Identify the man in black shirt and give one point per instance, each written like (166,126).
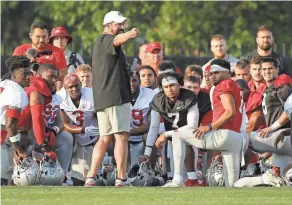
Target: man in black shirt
(265,41)
(112,95)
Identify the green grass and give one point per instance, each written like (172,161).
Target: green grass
(141,196)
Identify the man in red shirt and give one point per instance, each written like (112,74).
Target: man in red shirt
(257,82)
(223,134)
(39,41)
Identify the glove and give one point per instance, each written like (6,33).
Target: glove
(50,139)
(91,131)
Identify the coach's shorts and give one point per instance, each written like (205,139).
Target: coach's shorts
(114,119)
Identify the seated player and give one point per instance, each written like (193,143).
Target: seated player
(79,119)
(141,98)
(84,73)
(257,82)
(13,101)
(147,76)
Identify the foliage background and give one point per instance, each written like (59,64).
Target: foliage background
(183,27)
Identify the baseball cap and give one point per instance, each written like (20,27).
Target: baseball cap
(113,16)
(152,46)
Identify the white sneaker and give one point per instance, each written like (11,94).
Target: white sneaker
(271,179)
(173,184)
(120,183)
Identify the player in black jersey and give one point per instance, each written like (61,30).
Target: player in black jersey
(276,138)
(176,105)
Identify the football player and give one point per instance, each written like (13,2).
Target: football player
(176,105)
(141,98)
(276,138)
(223,134)
(79,119)
(147,76)
(48,139)
(13,101)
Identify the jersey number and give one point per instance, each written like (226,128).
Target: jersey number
(50,113)
(176,118)
(79,117)
(137,116)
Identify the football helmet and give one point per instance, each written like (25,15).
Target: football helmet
(214,175)
(288,106)
(252,169)
(109,171)
(141,175)
(51,173)
(287,175)
(25,172)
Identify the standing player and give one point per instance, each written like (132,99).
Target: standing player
(223,134)
(13,101)
(276,138)
(79,120)
(141,98)
(176,105)
(148,76)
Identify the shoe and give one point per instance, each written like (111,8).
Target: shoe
(173,184)
(270,178)
(195,182)
(121,183)
(91,181)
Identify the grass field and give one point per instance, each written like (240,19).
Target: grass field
(141,196)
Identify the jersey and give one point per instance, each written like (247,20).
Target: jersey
(13,101)
(227,87)
(262,87)
(83,116)
(51,109)
(57,58)
(174,115)
(274,99)
(140,111)
(204,104)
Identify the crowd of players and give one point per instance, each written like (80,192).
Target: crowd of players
(212,126)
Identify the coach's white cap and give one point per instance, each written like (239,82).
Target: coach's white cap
(113,16)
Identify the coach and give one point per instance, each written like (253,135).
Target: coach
(112,95)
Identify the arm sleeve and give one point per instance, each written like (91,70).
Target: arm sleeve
(38,122)
(153,132)
(193,116)
(107,43)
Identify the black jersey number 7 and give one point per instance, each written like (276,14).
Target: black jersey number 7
(176,118)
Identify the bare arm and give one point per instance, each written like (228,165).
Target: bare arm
(254,121)
(73,129)
(122,38)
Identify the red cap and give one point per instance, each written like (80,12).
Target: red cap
(60,31)
(152,46)
(71,78)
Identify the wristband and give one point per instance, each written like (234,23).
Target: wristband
(275,125)
(168,134)
(57,129)
(15,138)
(148,151)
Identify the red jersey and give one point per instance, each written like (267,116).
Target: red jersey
(260,89)
(57,58)
(227,87)
(35,118)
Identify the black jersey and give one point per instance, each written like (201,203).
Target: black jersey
(175,115)
(204,104)
(273,102)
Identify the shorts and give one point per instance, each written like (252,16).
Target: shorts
(114,119)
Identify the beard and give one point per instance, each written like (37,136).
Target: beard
(265,46)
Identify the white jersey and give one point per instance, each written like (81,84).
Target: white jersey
(52,108)
(161,126)
(140,110)
(81,116)
(11,95)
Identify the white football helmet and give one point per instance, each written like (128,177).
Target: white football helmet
(109,175)
(51,173)
(214,175)
(26,172)
(141,175)
(288,106)
(287,175)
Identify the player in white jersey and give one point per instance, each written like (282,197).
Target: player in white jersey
(141,98)
(79,119)
(13,101)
